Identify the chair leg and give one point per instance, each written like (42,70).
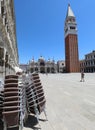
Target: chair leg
(37,116)
(5,125)
(45,115)
(21,121)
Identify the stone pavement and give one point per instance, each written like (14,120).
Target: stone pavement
(70,103)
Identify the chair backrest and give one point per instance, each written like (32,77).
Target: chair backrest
(38,89)
(14,94)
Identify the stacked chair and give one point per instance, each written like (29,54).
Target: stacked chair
(1,104)
(41,101)
(1,109)
(20,97)
(35,96)
(13,105)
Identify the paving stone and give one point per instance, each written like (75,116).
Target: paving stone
(70,104)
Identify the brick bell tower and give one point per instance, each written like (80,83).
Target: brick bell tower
(71,42)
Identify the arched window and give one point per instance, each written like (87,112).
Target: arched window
(1,56)
(42,64)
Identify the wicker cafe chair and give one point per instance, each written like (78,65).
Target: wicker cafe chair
(1,104)
(35,94)
(41,101)
(12,102)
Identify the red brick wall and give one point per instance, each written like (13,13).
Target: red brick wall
(71,53)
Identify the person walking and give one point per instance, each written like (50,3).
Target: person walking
(82,77)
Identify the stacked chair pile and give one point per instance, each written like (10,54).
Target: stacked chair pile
(41,101)
(1,109)
(35,96)
(13,103)
(1,103)
(20,97)
(21,83)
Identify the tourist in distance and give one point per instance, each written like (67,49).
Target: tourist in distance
(82,77)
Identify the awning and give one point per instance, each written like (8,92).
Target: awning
(17,69)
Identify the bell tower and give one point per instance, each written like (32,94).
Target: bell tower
(71,42)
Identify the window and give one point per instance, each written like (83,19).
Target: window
(72,27)
(6,58)
(42,64)
(1,53)
(66,30)
(2,8)
(1,56)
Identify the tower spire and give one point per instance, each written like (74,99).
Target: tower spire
(70,22)
(68,4)
(69,11)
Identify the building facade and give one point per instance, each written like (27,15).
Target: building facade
(88,64)
(8,41)
(71,42)
(61,68)
(24,67)
(42,66)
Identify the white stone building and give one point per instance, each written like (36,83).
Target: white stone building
(88,64)
(42,66)
(8,41)
(24,67)
(61,66)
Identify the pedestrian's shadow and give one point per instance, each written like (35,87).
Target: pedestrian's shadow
(31,122)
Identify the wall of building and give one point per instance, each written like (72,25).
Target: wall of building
(42,66)
(61,66)
(88,64)
(8,40)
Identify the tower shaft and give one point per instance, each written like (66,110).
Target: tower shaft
(71,42)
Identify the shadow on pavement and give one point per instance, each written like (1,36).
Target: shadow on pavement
(31,122)
(43,120)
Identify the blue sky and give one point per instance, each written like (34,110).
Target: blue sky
(40,28)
